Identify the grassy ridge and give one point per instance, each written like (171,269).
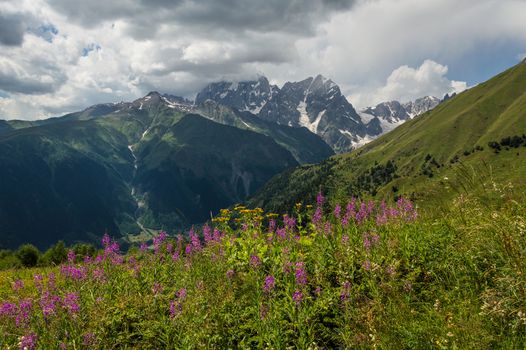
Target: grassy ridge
(357,276)
(431,152)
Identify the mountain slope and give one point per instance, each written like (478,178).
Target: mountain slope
(305,146)
(53,186)
(197,167)
(428,156)
(125,168)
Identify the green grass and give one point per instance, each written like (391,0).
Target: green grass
(451,279)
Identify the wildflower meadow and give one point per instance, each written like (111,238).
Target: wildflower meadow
(361,274)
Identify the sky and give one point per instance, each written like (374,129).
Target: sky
(59,56)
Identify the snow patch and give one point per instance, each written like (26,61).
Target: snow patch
(366,117)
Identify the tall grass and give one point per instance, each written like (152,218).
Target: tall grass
(364,275)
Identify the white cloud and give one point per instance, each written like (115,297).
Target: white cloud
(406,83)
(179,46)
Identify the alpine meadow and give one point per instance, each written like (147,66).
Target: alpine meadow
(159,191)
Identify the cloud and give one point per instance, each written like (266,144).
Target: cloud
(406,83)
(230,17)
(12,30)
(60,56)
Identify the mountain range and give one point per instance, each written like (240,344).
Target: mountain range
(471,142)
(159,162)
(166,162)
(316,104)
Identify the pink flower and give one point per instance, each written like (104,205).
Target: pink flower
(270,283)
(255,261)
(28,342)
(301,274)
(297,296)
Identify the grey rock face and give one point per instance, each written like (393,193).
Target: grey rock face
(314,103)
(421,105)
(386,116)
(249,96)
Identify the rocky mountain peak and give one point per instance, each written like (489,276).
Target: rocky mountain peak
(244,95)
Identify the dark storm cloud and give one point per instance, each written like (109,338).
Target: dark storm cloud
(12,29)
(45,79)
(233,16)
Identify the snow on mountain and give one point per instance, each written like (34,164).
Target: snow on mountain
(315,103)
(245,96)
(391,114)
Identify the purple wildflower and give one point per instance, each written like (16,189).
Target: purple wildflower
(281,233)
(327,229)
(71,302)
(106,240)
(98,275)
(366,265)
(301,274)
(51,281)
(194,239)
(255,261)
(270,283)
(290,222)
(337,211)
(271,225)
(287,267)
(19,284)
(25,306)
(175,308)
(8,309)
(362,213)
(320,199)
(346,291)
(207,233)
(28,342)
(89,340)
(181,294)
(381,219)
(71,257)
(38,281)
(366,242)
(317,216)
(74,273)
(158,241)
(317,291)
(157,288)
(230,273)
(48,303)
(297,296)
(217,235)
(143,247)
(175,256)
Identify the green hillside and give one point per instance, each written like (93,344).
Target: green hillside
(125,170)
(430,157)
